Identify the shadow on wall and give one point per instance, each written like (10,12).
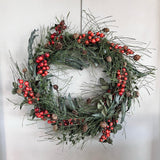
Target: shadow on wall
(2,135)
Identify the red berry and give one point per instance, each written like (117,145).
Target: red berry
(124,82)
(108,135)
(49,42)
(112,128)
(83,35)
(101,35)
(89,37)
(45,72)
(20,86)
(103,137)
(120,93)
(116,46)
(79,41)
(86,42)
(40,58)
(126,74)
(101,140)
(25,95)
(26,83)
(20,81)
(122,90)
(52,42)
(37,61)
(124,69)
(47,67)
(97,33)
(52,36)
(125,78)
(108,120)
(118,84)
(49,121)
(92,34)
(111,124)
(45,64)
(93,41)
(44,68)
(97,39)
(29,102)
(117,121)
(123,85)
(40,72)
(46,55)
(41,64)
(31,94)
(122,51)
(27,88)
(80,37)
(89,32)
(120,47)
(108,131)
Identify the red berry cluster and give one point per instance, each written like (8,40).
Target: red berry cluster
(121,49)
(90,37)
(57,35)
(106,131)
(122,78)
(43,114)
(27,91)
(42,66)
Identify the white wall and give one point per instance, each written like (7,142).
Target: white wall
(138,18)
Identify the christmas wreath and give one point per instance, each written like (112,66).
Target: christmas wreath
(76,118)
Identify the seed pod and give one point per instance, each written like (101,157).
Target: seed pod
(19,90)
(85,128)
(136,57)
(124,64)
(54,117)
(84,52)
(125,48)
(136,94)
(128,94)
(75,36)
(109,59)
(88,101)
(75,112)
(103,124)
(55,87)
(55,127)
(24,70)
(106,30)
(58,46)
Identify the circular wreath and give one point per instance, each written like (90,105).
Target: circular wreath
(74,117)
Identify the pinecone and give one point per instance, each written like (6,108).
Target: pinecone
(109,59)
(103,124)
(54,117)
(58,46)
(75,36)
(19,90)
(55,87)
(55,127)
(136,57)
(75,112)
(24,70)
(125,48)
(106,30)
(85,128)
